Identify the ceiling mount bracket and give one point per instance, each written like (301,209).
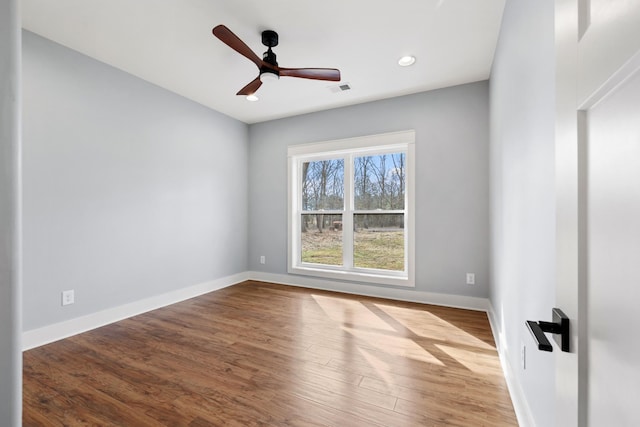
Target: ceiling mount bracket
(270,38)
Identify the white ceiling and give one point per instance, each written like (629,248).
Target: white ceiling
(169,43)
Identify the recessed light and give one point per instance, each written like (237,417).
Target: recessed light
(252,98)
(405,61)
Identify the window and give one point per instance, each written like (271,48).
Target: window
(351,209)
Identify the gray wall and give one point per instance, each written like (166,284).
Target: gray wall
(130,191)
(523,192)
(10,306)
(452,189)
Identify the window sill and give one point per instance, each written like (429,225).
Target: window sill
(352,276)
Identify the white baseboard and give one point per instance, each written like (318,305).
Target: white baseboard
(520,405)
(447,300)
(58,331)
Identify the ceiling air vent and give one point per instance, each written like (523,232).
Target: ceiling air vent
(342,87)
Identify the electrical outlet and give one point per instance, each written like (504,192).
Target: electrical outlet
(68,297)
(523,356)
(263,259)
(471,279)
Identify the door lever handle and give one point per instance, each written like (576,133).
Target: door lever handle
(559,327)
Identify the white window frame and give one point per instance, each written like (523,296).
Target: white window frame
(394,142)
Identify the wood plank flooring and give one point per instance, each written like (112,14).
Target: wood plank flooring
(259,354)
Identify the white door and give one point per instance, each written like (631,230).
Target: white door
(598,210)
(613,257)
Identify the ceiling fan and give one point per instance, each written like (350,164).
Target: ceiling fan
(269,69)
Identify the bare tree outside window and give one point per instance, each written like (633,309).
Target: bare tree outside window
(322,190)
(379,183)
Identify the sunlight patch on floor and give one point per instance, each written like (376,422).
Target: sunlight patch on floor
(427,325)
(396,346)
(479,363)
(350,312)
(382,368)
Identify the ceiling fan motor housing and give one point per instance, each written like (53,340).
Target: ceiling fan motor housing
(270,57)
(268,73)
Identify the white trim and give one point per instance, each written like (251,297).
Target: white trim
(410,210)
(520,404)
(58,331)
(446,300)
(391,278)
(615,80)
(340,145)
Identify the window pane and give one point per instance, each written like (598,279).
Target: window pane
(321,239)
(378,241)
(379,181)
(323,185)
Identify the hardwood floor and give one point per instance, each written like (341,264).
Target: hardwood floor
(258,354)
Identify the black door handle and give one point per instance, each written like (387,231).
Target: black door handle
(559,327)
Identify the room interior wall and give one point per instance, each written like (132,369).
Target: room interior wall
(130,191)
(523,198)
(10,304)
(452,183)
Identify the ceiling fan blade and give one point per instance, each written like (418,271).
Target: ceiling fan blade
(312,73)
(227,37)
(251,88)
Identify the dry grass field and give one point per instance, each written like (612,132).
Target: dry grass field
(372,248)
